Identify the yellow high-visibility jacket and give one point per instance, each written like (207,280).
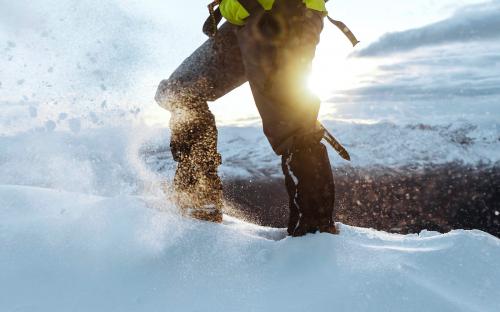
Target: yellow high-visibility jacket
(236,14)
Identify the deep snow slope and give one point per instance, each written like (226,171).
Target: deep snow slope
(63,251)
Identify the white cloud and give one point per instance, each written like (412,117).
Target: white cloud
(472,23)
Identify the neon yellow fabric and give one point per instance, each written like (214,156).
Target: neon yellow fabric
(236,14)
(318,5)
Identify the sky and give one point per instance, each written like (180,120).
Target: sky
(102,60)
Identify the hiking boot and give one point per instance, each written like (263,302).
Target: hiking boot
(332,229)
(197,186)
(211,214)
(304,227)
(202,200)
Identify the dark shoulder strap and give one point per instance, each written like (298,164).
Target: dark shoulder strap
(213,20)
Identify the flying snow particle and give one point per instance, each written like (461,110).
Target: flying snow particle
(497,213)
(135,111)
(50,125)
(93,117)
(75,125)
(33,112)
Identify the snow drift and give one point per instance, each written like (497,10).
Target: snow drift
(63,251)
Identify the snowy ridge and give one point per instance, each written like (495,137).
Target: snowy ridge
(78,161)
(65,251)
(246,152)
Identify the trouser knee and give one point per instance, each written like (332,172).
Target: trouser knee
(181,90)
(191,122)
(176,93)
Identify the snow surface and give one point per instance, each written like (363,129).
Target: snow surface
(63,251)
(84,226)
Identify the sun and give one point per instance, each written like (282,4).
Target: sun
(334,70)
(330,75)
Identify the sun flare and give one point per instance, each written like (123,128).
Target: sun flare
(331,74)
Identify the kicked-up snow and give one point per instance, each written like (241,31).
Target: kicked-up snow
(63,251)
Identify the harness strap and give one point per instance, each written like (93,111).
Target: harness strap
(212,22)
(334,143)
(345,30)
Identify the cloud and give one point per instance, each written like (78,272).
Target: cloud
(404,92)
(437,78)
(472,23)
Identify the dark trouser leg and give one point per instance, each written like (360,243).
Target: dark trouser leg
(309,182)
(277,50)
(211,71)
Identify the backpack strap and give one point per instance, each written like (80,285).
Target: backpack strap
(213,20)
(345,30)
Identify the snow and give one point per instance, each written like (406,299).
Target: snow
(84,226)
(64,251)
(96,162)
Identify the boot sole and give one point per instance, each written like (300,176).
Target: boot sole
(202,215)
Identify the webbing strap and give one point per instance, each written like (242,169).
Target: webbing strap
(334,143)
(345,30)
(210,25)
(213,20)
(252,5)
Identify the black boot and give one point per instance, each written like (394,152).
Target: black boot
(311,190)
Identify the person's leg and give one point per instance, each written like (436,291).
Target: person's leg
(211,71)
(277,49)
(311,190)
